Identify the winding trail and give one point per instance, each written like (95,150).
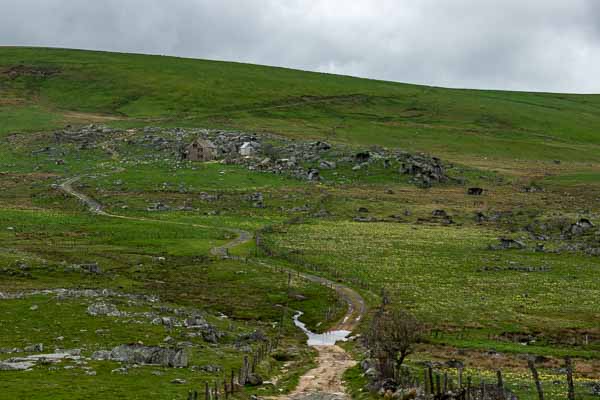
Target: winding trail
(324,382)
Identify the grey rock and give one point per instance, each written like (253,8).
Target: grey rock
(313,175)
(254,379)
(35,348)
(101,355)
(324,164)
(16,366)
(98,309)
(140,354)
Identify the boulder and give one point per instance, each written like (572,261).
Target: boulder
(254,379)
(324,164)
(101,308)
(140,354)
(101,355)
(35,348)
(475,191)
(313,175)
(196,321)
(321,146)
(580,227)
(16,366)
(362,157)
(506,244)
(424,170)
(439,214)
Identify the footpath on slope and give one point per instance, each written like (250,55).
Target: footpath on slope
(324,382)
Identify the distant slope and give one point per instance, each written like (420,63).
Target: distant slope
(43,88)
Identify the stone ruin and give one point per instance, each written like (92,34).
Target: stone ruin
(265,153)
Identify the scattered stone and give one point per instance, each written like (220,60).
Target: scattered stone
(101,355)
(324,164)
(255,197)
(179,381)
(158,207)
(439,214)
(211,368)
(196,321)
(507,244)
(254,379)
(365,219)
(362,157)
(92,268)
(101,309)
(580,227)
(16,366)
(322,214)
(455,364)
(425,170)
(35,348)
(533,189)
(313,175)
(140,354)
(255,336)
(321,146)
(475,191)
(516,268)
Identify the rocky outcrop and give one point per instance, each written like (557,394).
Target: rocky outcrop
(140,354)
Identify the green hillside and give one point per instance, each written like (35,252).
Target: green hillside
(458,124)
(491,238)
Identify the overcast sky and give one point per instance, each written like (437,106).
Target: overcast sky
(545,45)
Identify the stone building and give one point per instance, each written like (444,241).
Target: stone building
(249,148)
(200,150)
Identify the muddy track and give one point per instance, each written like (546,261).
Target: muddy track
(321,383)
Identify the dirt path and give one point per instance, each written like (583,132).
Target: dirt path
(323,382)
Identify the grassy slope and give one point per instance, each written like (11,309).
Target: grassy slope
(457,124)
(515,133)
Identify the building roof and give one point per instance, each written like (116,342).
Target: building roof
(203,143)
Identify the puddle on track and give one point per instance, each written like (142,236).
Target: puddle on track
(320,339)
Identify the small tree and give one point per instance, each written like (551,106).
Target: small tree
(391,338)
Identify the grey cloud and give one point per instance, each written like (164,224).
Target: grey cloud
(549,45)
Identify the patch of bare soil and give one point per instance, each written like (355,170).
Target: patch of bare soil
(17,71)
(79,117)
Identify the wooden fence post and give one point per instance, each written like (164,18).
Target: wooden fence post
(445,382)
(569,366)
(536,378)
(431,382)
(468,388)
(500,385)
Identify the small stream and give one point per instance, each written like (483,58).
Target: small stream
(320,339)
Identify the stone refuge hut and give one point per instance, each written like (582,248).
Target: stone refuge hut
(199,150)
(249,148)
